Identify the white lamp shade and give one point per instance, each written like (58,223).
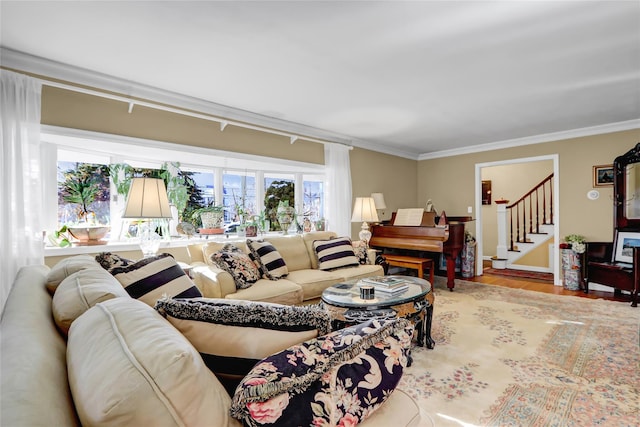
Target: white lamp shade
(364,210)
(147,199)
(378,199)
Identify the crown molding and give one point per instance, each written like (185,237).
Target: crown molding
(536,139)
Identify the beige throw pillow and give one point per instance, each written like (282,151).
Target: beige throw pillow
(129,367)
(66,267)
(81,291)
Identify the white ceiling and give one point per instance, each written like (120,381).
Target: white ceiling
(415,77)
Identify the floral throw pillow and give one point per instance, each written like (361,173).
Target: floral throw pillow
(238,264)
(110,261)
(360,250)
(338,379)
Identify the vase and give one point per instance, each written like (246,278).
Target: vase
(88,234)
(286,214)
(571,269)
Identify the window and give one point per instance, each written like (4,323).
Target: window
(208,174)
(239,198)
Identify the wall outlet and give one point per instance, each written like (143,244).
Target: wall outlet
(469,209)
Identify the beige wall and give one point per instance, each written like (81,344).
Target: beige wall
(79,111)
(394,177)
(450,181)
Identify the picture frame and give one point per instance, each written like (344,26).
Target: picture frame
(603,176)
(625,241)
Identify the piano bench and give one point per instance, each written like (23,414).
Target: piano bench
(414,263)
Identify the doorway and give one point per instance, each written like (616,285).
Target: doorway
(479,210)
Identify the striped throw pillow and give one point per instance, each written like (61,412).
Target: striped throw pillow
(268,259)
(335,253)
(152,278)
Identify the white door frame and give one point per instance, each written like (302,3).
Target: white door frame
(556,208)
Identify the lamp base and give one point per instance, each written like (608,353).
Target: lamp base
(365,234)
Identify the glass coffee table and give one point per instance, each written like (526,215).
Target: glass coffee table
(346,307)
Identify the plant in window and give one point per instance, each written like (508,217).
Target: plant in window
(210,216)
(278,191)
(81,187)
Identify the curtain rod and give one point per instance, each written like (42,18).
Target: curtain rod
(223,122)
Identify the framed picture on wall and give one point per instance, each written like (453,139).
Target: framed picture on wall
(602,175)
(625,241)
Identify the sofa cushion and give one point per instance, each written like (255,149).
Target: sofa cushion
(335,253)
(268,259)
(128,366)
(282,291)
(232,336)
(109,260)
(237,263)
(81,291)
(67,267)
(151,278)
(308,239)
(336,379)
(313,282)
(292,250)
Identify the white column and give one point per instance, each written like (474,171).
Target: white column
(502,249)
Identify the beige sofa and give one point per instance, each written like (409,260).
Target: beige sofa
(38,365)
(303,283)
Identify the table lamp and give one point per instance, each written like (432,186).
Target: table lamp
(364,209)
(378,199)
(147,200)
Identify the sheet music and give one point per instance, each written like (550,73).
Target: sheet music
(411,216)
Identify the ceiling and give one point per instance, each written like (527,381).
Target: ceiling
(411,78)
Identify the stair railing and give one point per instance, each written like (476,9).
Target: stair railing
(530,211)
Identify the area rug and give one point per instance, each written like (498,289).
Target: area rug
(520,274)
(511,357)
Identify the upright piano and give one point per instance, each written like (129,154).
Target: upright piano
(445,238)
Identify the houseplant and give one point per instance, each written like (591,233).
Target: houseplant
(81,187)
(211,217)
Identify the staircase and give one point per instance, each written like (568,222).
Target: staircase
(529,222)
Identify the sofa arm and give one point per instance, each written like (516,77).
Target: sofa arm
(213,282)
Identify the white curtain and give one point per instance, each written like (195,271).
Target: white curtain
(338,191)
(21,240)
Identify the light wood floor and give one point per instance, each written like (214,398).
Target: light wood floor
(541,286)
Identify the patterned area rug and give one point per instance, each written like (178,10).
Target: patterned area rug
(510,357)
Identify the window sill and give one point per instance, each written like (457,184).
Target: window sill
(132,245)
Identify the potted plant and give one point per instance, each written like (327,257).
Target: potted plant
(81,187)
(211,217)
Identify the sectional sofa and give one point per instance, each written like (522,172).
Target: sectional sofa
(123,363)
